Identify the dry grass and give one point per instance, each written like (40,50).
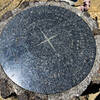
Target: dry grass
(9,98)
(94,9)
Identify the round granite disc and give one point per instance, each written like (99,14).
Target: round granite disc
(47,49)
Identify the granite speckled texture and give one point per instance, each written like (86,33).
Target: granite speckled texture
(53,54)
(74,91)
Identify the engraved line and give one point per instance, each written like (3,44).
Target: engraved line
(51,45)
(48,40)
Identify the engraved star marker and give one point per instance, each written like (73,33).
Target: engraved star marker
(48,40)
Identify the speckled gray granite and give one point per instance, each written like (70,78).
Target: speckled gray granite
(49,50)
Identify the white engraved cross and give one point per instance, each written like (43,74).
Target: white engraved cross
(48,40)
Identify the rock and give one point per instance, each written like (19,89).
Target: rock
(76,91)
(4,88)
(84,98)
(6,15)
(50,53)
(24,5)
(37,98)
(96,31)
(96,78)
(75,98)
(23,97)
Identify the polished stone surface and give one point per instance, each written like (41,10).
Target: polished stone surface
(47,49)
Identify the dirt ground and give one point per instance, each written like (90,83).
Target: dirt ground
(94,9)
(7,5)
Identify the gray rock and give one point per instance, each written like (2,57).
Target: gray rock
(6,15)
(4,88)
(47,49)
(23,97)
(24,4)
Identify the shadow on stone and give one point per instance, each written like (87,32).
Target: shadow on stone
(92,88)
(98,97)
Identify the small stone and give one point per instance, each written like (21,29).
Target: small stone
(23,97)
(6,15)
(84,97)
(96,31)
(4,88)
(75,98)
(37,98)
(96,78)
(86,14)
(24,4)
(36,1)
